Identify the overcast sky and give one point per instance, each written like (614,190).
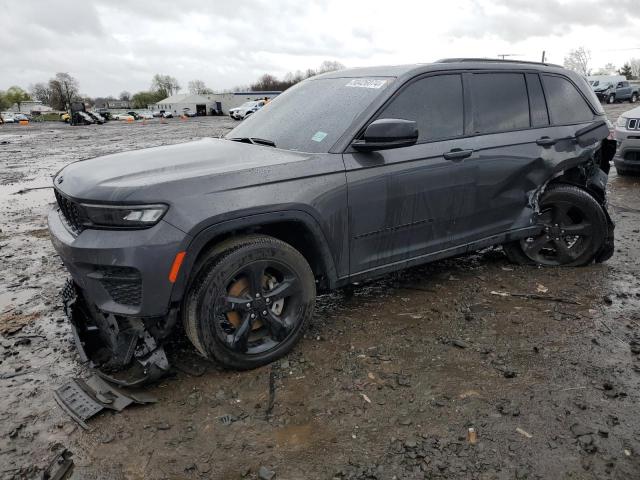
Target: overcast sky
(115,45)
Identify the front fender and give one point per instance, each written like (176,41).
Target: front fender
(246,222)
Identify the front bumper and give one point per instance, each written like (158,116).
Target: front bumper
(125,351)
(628,154)
(124,272)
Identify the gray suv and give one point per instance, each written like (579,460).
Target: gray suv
(346,176)
(627,135)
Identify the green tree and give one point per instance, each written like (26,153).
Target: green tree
(4,102)
(16,95)
(144,99)
(626,71)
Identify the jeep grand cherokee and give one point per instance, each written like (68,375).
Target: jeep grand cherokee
(344,177)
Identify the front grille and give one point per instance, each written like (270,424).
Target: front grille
(123,284)
(633,156)
(70,212)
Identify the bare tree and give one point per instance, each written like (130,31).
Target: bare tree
(578,60)
(41,92)
(198,87)
(64,89)
(125,96)
(634,63)
(330,66)
(165,85)
(16,95)
(608,69)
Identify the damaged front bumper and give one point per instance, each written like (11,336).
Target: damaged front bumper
(123,350)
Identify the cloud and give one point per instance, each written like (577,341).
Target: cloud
(115,45)
(517,20)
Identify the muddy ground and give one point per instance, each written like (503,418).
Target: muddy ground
(386,383)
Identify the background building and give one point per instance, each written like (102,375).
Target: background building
(208,104)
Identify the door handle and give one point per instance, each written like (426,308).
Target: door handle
(546,141)
(457,154)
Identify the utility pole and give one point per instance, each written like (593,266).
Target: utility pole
(544,56)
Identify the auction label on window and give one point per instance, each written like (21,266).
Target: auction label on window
(366,83)
(318,136)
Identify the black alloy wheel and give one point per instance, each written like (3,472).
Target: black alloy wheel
(573,229)
(250,302)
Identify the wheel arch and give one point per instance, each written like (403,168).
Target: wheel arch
(295,227)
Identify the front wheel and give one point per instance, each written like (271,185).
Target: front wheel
(573,229)
(250,303)
(634,98)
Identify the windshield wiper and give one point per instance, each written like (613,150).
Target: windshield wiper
(255,141)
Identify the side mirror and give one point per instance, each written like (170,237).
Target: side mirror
(387,133)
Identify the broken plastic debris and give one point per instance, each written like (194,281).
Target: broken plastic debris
(541,288)
(524,433)
(82,399)
(472,436)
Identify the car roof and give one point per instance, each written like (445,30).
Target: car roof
(444,64)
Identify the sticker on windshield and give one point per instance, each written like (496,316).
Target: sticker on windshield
(366,83)
(318,136)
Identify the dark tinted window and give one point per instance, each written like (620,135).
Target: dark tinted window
(537,105)
(565,103)
(499,102)
(435,103)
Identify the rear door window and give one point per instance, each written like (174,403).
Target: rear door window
(434,103)
(566,105)
(499,102)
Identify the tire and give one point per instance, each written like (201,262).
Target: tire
(563,208)
(276,283)
(634,98)
(611,99)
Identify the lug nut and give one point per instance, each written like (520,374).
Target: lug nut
(268,300)
(253,315)
(248,305)
(257,295)
(264,312)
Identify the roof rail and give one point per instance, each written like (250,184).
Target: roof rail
(493,60)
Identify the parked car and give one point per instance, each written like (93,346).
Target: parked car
(83,118)
(617,92)
(99,119)
(122,116)
(8,117)
(187,112)
(135,115)
(145,115)
(21,116)
(246,109)
(65,117)
(167,114)
(158,113)
(396,166)
(627,135)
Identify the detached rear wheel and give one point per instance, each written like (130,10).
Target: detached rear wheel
(573,229)
(251,302)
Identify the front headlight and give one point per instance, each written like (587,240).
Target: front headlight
(621,122)
(123,216)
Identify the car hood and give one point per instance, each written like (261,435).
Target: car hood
(633,113)
(161,173)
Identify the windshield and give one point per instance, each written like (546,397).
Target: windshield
(312,115)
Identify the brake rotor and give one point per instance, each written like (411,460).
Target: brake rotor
(240,287)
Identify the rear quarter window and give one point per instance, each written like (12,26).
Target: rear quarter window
(566,104)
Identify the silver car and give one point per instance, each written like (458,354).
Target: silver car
(627,135)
